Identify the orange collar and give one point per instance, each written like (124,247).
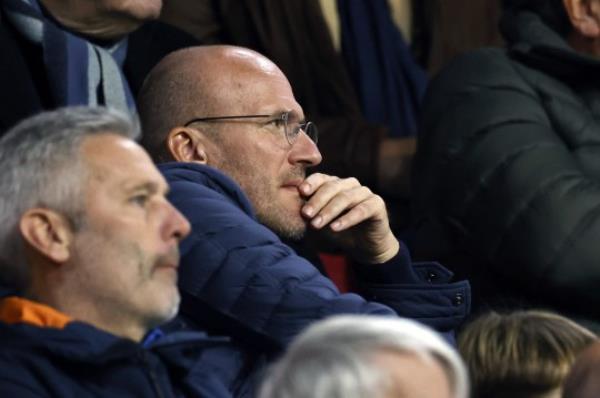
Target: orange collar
(19,310)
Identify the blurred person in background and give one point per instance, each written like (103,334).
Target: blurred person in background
(522,354)
(506,174)
(57,53)
(583,381)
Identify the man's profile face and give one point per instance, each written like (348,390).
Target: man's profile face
(259,157)
(126,249)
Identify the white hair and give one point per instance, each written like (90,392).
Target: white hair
(40,166)
(334,358)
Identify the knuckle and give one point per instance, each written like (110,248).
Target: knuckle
(349,182)
(366,191)
(353,181)
(378,203)
(332,185)
(362,210)
(344,196)
(378,200)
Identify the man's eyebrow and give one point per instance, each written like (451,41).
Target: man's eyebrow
(148,186)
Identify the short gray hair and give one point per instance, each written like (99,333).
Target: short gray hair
(334,358)
(40,166)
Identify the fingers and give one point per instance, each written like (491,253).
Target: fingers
(342,202)
(369,208)
(314,181)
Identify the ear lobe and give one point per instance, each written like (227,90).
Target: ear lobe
(186,145)
(584,16)
(47,232)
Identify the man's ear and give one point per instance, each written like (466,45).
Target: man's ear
(584,16)
(187,145)
(48,232)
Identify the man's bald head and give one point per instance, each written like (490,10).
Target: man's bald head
(252,147)
(197,82)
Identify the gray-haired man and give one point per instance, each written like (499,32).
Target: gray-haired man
(355,356)
(91,244)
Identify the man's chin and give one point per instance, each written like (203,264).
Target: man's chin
(287,228)
(292,234)
(169,310)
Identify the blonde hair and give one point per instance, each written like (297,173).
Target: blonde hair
(520,354)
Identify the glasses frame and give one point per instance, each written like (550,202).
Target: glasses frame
(291,135)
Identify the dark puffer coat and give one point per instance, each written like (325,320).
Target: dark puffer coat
(507,177)
(237,278)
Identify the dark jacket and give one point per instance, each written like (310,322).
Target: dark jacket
(81,361)
(23,82)
(237,278)
(508,172)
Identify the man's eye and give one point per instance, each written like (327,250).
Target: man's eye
(279,122)
(139,200)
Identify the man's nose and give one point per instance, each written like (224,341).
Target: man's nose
(305,151)
(178,226)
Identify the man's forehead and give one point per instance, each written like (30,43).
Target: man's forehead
(249,84)
(266,95)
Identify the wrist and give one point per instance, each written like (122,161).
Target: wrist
(389,249)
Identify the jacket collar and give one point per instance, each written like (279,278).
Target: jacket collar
(210,177)
(534,43)
(19,310)
(82,343)
(25,324)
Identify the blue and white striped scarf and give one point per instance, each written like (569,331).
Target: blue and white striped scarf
(79,72)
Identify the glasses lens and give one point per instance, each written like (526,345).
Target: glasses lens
(311,131)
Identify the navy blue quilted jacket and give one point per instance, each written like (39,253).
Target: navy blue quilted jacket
(238,279)
(81,361)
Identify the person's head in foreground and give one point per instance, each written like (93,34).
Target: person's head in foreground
(233,109)
(522,354)
(583,381)
(355,356)
(86,228)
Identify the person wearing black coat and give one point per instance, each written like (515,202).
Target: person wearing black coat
(31,73)
(508,168)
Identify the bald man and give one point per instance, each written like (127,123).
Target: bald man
(237,149)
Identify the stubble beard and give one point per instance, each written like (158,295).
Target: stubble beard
(129,254)
(285,221)
(171,257)
(286,226)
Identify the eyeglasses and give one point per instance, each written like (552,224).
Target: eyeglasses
(292,130)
